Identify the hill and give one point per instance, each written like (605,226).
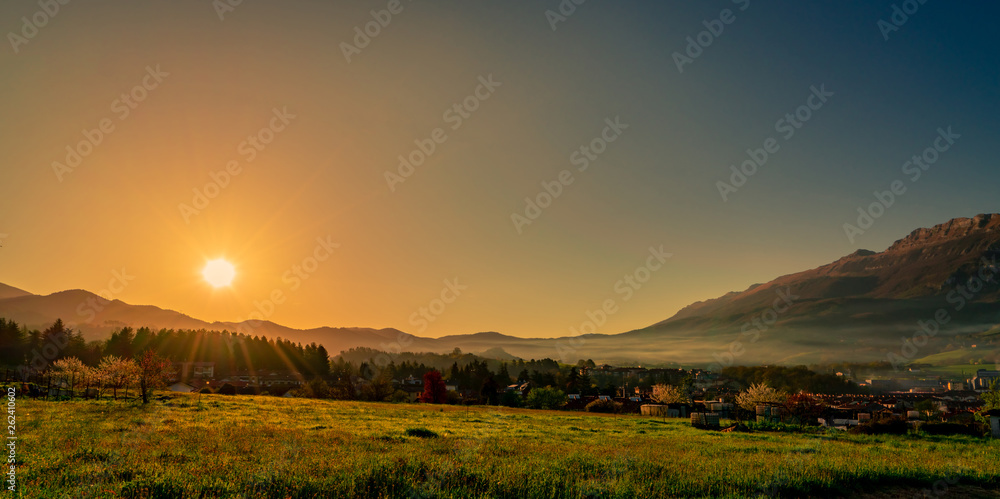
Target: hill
(859,308)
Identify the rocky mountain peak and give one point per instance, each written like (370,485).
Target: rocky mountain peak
(953,229)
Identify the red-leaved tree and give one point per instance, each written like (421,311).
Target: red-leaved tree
(434,390)
(152,373)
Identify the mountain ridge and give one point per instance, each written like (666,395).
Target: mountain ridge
(856,307)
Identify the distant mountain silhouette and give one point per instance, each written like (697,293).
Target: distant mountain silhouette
(857,308)
(11,292)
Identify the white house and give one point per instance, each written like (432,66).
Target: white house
(181,387)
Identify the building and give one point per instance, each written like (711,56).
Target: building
(984,378)
(181,387)
(193,370)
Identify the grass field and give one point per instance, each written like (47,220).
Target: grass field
(220,446)
(960,371)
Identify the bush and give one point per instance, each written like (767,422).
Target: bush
(890,426)
(546,398)
(317,388)
(247,390)
(226,389)
(205,390)
(420,433)
(511,399)
(606,406)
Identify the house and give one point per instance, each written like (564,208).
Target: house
(983,379)
(523,388)
(181,387)
(193,370)
(413,393)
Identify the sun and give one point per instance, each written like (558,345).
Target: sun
(219,272)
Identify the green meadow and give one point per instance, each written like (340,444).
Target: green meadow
(269,447)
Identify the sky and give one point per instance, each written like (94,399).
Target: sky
(141,139)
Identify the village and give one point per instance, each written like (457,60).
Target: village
(913,398)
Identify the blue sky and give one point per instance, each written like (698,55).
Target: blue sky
(655,185)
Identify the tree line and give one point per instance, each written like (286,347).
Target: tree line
(231,352)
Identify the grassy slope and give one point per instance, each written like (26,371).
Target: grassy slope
(962,356)
(275,447)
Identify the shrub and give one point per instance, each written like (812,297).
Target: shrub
(205,390)
(247,390)
(317,388)
(890,426)
(605,406)
(420,433)
(511,399)
(950,429)
(546,398)
(226,389)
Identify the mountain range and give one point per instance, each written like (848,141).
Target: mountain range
(944,281)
